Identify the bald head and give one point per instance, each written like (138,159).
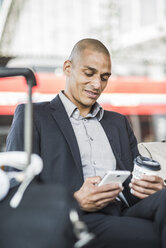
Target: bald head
(87,72)
(92,44)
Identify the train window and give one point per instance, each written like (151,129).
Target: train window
(160,126)
(148,128)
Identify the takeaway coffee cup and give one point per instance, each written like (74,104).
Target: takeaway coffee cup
(145,166)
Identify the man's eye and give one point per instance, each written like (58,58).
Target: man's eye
(89,74)
(104,79)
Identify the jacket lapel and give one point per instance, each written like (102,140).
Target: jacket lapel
(113,137)
(59,113)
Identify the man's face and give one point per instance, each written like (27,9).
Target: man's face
(87,77)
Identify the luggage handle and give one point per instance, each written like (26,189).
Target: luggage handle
(25,72)
(31,81)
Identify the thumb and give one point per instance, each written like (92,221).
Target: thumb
(93,180)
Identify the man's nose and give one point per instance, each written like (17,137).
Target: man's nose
(96,82)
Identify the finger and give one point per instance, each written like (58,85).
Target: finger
(110,187)
(147,184)
(103,203)
(155,179)
(142,190)
(105,195)
(138,194)
(93,180)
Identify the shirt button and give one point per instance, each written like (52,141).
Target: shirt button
(91,138)
(94,162)
(85,120)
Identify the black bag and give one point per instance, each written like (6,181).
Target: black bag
(40,221)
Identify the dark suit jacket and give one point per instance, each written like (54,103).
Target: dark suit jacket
(54,140)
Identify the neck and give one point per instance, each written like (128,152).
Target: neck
(84,112)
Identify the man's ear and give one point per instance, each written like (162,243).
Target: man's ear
(67,67)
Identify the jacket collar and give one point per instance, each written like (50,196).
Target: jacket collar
(71,108)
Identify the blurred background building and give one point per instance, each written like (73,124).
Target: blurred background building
(41,33)
(134,31)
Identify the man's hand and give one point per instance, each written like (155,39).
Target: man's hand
(92,197)
(146,186)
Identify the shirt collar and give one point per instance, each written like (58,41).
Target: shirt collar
(96,111)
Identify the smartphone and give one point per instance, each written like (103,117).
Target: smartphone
(116,176)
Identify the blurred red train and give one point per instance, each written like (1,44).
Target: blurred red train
(141,99)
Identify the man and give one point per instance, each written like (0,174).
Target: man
(79,141)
